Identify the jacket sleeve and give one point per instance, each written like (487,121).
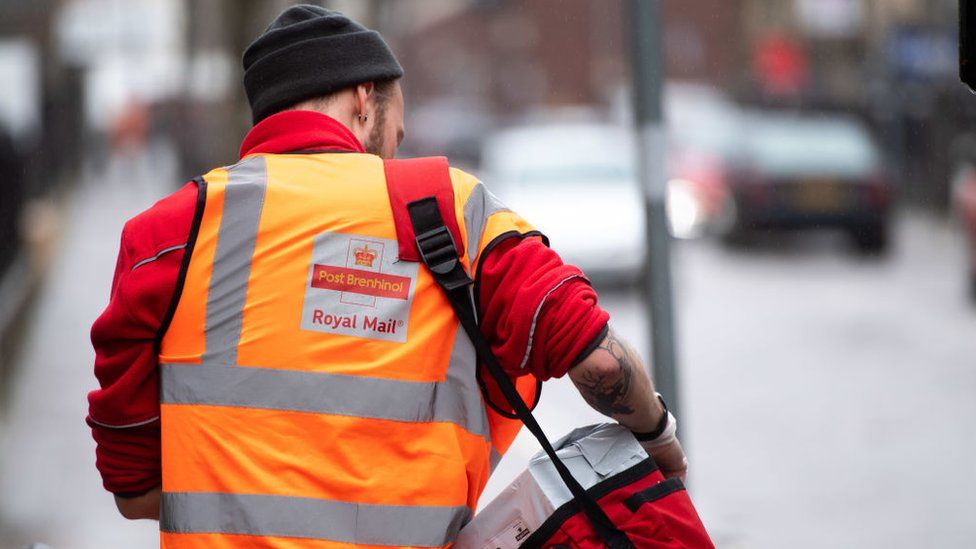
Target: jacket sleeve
(540,315)
(124,411)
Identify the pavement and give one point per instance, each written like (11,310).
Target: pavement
(51,492)
(827,399)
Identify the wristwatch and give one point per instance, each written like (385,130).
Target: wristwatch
(662,424)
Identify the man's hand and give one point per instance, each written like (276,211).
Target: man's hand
(145,506)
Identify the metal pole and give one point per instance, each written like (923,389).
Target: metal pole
(648,71)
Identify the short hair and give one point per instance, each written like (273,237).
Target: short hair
(382,90)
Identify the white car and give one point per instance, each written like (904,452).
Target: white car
(576,183)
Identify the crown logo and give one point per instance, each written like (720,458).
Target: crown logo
(365,256)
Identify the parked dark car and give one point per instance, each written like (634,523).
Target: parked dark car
(808,172)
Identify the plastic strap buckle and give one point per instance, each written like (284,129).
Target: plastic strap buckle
(439,252)
(437,249)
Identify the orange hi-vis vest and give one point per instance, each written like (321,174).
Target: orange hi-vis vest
(316,390)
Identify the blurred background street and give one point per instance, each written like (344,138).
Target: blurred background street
(828,401)
(821,176)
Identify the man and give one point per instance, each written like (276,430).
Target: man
(11,174)
(272,374)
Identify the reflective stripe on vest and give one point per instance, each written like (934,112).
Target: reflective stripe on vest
(455,400)
(232,404)
(243,202)
(479,206)
(278,516)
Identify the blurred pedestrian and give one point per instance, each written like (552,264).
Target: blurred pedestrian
(130,128)
(12,187)
(274,368)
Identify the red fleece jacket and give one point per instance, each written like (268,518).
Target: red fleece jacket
(539,314)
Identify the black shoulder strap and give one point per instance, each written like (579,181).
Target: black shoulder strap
(439,253)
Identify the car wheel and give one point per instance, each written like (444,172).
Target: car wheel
(729,227)
(737,238)
(871,239)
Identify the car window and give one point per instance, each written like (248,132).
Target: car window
(701,119)
(795,146)
(562,156)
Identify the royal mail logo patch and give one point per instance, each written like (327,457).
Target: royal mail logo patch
(356,287)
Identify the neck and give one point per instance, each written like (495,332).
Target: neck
(298,130)
(341,109)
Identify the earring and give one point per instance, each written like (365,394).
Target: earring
(363,117)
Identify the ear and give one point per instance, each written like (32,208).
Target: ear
(363,93)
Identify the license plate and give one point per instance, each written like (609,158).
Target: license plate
(820,196)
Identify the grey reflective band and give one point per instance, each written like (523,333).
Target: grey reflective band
(481,205)
(263,515)
(493,459)
(455,400)
(159,254)
(236,238)
(459,391)
(123,425)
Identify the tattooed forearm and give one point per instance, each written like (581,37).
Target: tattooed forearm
(612,379)
(608,389)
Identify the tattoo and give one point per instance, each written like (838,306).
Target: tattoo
(608,393)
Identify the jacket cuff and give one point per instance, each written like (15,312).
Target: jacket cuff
(592,346)
(571,325)
(128,459)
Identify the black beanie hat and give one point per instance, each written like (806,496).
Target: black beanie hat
(309,51)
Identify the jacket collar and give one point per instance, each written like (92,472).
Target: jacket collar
(292,131)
